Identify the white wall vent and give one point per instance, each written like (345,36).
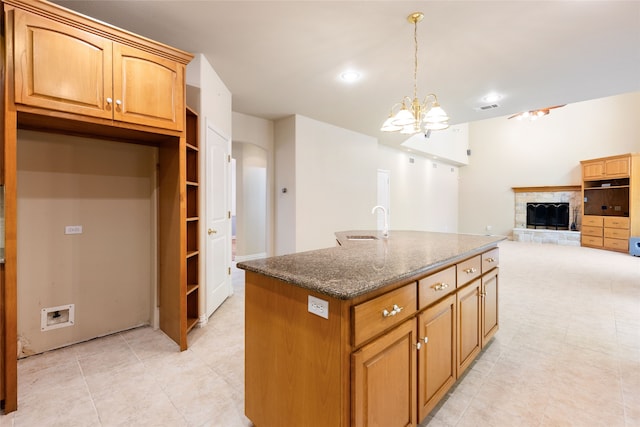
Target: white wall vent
(487,107)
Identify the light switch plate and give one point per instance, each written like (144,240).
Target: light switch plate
(319,307)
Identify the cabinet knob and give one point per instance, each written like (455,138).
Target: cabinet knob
(418,345)
(395,310)
(440,286)
(118,102)
(109,100)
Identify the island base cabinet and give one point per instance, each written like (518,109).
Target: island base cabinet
(437,356)
(384,380)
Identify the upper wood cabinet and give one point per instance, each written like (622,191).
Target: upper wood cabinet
(64,68)
(612,167)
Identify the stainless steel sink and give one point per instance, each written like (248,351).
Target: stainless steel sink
(362,238)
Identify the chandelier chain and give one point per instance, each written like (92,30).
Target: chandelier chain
(415,60)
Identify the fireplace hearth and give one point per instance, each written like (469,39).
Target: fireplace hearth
(552,216)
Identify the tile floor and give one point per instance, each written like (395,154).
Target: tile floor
(567,354)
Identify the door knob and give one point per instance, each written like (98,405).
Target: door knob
(211,231)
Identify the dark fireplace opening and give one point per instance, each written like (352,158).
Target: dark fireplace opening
(554,216)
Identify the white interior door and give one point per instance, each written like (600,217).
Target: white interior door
(218,209)
(384,195)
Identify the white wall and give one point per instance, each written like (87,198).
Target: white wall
(424,194)
(336,182)
(511,153)
(251,202)
(330,174)
(447,146)
(285,179)
(259,132)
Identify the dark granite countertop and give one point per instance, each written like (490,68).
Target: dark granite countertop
(356,267)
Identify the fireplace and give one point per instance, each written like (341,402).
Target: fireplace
(554,216)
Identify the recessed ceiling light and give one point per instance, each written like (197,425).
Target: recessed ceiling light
(492,97)
(350,76)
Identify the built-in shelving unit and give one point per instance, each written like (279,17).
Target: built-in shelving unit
(611,210)
(192,219)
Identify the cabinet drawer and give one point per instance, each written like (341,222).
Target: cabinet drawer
(468,270)
(616,233)
(592,220)
(591,241)
(490,260)
(617,244)
(616,222)
(436,286)
(379,314)
(591,231)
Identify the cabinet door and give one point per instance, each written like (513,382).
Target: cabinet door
(489,306)
(616,167)
(59,67)
(437,357)
(148,89)
(384,379)
(593,170)
(469,334)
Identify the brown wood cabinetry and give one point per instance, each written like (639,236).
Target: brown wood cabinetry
(611,201)
(383,360)
(67,73)
(65,68)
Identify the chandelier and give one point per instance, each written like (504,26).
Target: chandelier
(412,116)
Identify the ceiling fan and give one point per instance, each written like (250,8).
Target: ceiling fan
(534,114)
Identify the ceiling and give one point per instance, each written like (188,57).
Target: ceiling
(284,57)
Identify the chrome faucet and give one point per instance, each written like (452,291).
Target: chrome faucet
(385,230)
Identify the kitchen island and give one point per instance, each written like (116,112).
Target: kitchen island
(373,331)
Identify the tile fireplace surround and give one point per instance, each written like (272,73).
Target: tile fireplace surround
(565,194)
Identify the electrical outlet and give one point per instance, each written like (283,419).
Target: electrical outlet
(319,307)
(73,229)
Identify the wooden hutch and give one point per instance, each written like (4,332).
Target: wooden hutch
(611,201)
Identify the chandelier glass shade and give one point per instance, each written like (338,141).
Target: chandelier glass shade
(410,115)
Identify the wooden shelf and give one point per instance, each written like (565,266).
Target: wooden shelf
(605,188)
(192,222)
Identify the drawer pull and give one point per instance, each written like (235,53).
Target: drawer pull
(470,270)
(490,259)
(393,312)
(440,286)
